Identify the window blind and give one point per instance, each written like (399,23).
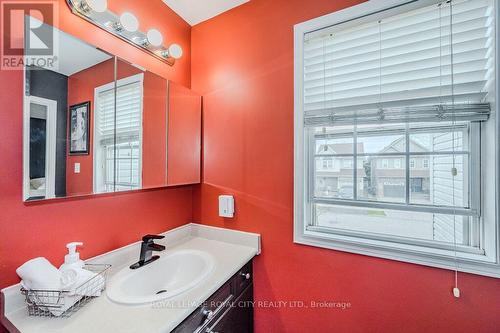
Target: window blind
(416,66)
(128,112)
(105,114)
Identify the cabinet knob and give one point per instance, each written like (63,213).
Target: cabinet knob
(246,275)
(208,314)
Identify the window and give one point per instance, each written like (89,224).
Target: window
(403,97)
(381,181)
(118,135)
(397,163)
(327,163)
(347,163)
(385,163)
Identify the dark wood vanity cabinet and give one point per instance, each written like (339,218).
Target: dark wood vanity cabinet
(228,310)
(238,318)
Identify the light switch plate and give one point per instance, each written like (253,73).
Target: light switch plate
(77,167)
(226,206)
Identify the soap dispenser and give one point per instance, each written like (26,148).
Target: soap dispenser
(72,259)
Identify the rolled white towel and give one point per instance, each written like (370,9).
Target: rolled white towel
(39,273)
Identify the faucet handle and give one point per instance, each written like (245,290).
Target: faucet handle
(149,238)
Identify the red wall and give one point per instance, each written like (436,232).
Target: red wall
(105,222)
(247,85)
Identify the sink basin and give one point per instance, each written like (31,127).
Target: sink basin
(171,275)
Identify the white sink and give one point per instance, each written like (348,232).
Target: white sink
(171,275)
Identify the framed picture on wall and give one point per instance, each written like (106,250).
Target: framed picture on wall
(79,129)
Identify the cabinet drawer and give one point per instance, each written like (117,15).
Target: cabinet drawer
(209,311)
(242,279)
(238,318)
(220,303)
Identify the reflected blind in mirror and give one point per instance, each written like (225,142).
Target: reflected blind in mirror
(128,111)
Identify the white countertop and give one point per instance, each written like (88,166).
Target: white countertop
(230,249)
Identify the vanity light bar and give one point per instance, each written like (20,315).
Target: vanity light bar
(126,27)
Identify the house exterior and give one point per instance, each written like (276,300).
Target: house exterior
(379,178)
(334,175)
(389,172)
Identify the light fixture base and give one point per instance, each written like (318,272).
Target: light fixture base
(109,22)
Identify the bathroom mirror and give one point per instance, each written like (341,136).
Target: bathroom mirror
(58,118)
(98,124)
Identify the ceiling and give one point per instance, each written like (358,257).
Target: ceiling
(73,55)
(196,11)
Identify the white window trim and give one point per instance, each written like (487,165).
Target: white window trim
(487,264)
(121,82)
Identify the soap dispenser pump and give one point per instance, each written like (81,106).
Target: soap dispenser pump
(72,259)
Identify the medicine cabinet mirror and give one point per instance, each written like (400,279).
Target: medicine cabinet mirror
(94,123)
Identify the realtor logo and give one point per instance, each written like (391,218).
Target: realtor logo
(28,35)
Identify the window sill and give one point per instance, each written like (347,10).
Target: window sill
(468,262)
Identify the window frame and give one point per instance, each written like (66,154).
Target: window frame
(472,134)
(486,263)
(116,147)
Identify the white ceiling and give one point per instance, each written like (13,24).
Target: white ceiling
(196,11)
(75,55)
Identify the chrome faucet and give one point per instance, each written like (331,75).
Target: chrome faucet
(147,247)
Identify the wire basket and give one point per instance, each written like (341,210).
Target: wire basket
(63,303)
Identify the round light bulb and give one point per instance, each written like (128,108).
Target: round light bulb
(97,5)
(175,51)
(155,37)
(129,22)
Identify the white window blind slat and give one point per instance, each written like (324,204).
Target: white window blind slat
(406,20)
(402,64)
(471,89)
(105,123)
(418,69)
(461,99)
(395,83)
